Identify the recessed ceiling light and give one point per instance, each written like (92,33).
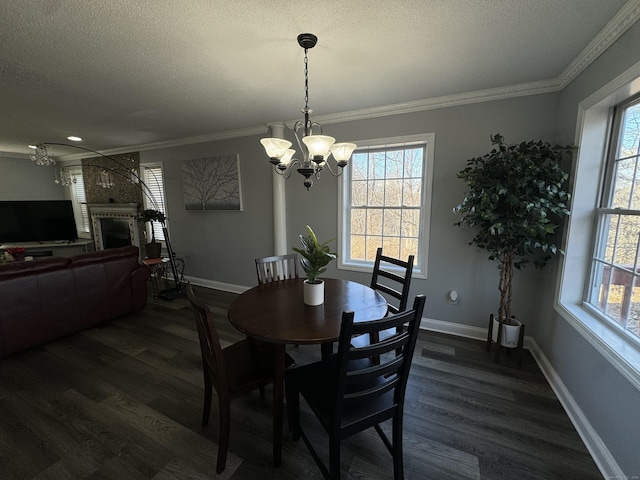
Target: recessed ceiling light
(74,139)
(33,146)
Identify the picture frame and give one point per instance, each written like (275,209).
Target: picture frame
(212,183)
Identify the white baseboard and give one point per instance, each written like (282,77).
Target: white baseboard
(225,287)
(597,448)
(477,333)
(458,329)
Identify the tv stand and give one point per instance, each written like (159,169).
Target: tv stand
(62,248)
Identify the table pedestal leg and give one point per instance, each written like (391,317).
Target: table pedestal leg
(326,350)
(278,400)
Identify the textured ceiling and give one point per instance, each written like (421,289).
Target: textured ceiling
(123,73)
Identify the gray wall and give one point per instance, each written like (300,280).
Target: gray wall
(21,179)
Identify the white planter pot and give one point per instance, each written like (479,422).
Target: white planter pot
(510,333)
(313,293)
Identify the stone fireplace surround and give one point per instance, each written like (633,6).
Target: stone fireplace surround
(122,211)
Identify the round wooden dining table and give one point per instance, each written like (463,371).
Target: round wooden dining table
(275,312)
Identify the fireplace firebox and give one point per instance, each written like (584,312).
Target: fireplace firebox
(114,225)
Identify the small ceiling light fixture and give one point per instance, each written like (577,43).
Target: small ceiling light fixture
(316,149)
(74,138)
(41,157)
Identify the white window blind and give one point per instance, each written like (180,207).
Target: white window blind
(154,195)
(79,202)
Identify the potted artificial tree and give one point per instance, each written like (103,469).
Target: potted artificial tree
(153,248)
(315,257)
(515,201)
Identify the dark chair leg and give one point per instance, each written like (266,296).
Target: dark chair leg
(206,407)
(223,433)
(334,456)
(293,410)
(398,466)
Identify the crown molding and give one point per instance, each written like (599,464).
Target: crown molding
(178,142)
(21,156)
(617,26)
(478,96)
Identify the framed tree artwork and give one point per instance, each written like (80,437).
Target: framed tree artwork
(212,183)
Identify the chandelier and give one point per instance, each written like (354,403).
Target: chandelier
(316,148)
(41,156)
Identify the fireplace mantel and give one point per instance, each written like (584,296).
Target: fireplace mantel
(124,211)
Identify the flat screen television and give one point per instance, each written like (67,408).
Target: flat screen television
(37,221)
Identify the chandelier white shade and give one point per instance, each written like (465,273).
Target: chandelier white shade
(342,151)
(316,148)
(275,147)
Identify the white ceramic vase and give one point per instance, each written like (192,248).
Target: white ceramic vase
(510,333)
(313,293)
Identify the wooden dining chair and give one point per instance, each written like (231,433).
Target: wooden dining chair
(233,371)
(392,278)
(349,393)
(274,269)
(278,267)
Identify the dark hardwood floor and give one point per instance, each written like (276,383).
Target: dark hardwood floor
(124,400)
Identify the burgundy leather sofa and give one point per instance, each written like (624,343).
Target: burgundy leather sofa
(49,298)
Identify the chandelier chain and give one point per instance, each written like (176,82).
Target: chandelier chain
(306,81)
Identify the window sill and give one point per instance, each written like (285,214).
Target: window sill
(613,345)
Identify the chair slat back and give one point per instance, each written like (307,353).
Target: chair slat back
(360,379)
(275,268)
(212,357)
(392,277)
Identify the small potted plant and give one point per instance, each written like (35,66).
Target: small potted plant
(152,248)
(16,253)
(515,201)
(315,258)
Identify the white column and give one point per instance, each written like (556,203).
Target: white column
(279,202)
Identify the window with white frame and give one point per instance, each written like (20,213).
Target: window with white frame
(598,240)
(614,288)
(151,174)
(79,202)
(385,196)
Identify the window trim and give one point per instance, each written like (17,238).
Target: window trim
(420,269)
(592,136)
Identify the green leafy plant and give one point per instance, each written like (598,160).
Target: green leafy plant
(315,255)
(515,200)
(151,215)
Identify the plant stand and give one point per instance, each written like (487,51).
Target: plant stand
(498,341)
